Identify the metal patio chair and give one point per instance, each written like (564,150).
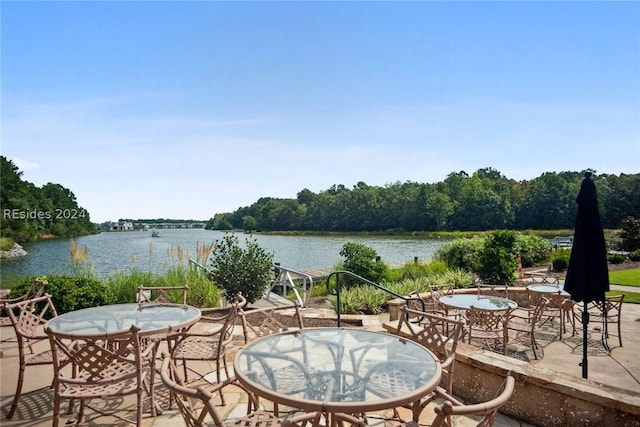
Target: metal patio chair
(260,322)
(524,320)
(211,344)
(36,289)
(199,408)
(162,294)
(482,413)
(99,366)
(488,325)
(610,313)
(27,318)
(439,334)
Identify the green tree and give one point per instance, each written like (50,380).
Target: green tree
(440,208)
(29,212)
(249,223)
(630,234)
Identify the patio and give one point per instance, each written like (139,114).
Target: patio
(617,372)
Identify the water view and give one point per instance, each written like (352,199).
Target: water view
(125,251)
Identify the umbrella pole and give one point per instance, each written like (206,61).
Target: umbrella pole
(585,323)
(605,328)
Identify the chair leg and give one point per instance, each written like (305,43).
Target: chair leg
(139,408)
(80,413)
(534,346)
(619,332)
(56,412)
(219,377)
(16,396)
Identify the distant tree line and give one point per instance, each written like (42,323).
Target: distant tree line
(30,212)
(484,200)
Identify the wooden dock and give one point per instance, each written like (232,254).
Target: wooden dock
(317,275)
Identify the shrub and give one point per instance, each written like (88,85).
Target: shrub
(235,269)
(359,300)
(498,261)
(560,263)
(412,270)
(533,250)
(616,258)
(123,287)
(70,293)
(6,244)
(363,261)
(461,253)
(635,255)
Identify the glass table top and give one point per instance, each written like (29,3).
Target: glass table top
(548,289)
(485,302)
(111,318)
(336,365)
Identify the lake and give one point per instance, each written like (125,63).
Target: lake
(125,251)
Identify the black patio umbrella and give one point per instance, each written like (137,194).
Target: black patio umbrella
(587,275)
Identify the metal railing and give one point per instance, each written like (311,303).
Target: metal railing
(337,290)
(197,264)
(299,282)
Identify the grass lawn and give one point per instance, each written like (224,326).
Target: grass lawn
(630,277)
(629,297)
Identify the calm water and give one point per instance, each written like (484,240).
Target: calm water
(124,251)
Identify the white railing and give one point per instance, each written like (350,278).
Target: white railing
(294,280)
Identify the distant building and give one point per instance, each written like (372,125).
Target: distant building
(117,226)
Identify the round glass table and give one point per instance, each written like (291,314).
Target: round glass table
(149,317)
(338,370)
(548,289)
(484,302)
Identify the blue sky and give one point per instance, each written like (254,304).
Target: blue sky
(187,109)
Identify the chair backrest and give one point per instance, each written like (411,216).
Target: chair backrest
(556,301)
(187,398)
(28,315)
(162,294)
(197,405)
(493,290)
(435,292)
(538,311)
(223,333)
(488,320)
(437,333)
(439,290)
(36,289)
(612,306)
(260,322)
(488,325)
(98,359)
(486,410)
(526,319)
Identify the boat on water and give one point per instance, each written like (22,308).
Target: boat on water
(155,234)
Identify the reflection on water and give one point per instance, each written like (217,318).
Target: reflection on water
(125,251)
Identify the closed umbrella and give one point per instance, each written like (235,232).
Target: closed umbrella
(587,275)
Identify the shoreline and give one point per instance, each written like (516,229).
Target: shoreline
(15,252)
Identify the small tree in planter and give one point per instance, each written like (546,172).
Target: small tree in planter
(234,269)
